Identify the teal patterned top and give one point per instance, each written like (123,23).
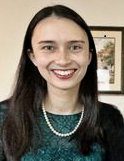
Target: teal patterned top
(55,148)
(46,146)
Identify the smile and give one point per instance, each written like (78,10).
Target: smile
(64,74)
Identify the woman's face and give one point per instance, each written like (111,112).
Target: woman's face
(60,52)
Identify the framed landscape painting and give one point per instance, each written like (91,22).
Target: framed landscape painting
(109,42)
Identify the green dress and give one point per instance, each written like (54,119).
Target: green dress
(46,146)
(55,148)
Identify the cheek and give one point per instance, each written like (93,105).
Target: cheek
(83,58)
(42,67)
(41,62)
(83,61)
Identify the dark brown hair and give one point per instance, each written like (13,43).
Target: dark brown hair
(30,88)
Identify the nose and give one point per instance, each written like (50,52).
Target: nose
(63,58)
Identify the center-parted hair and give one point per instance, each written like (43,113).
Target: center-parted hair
(31,88)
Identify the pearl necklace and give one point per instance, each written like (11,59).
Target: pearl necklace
(56,132)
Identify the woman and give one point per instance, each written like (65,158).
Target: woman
(54,113)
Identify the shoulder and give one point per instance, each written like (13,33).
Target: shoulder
(108,108)
(112,124)
(110,114)
(4,106)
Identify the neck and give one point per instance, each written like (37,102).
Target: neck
(62,101)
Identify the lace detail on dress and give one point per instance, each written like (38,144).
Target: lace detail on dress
(49,147)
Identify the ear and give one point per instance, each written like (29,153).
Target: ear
(32,57)
(90,57)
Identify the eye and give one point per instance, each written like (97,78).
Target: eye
(76,47)
(48,48)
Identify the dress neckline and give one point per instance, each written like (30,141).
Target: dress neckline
(63,115)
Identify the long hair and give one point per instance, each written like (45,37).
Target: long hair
(31,88)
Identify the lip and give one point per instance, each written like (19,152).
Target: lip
(64,74)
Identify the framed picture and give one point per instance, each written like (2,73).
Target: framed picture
(109,42)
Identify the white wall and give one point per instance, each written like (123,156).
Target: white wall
(15,16)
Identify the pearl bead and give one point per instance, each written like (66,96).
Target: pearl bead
(56,132)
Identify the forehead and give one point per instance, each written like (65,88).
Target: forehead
(58,27)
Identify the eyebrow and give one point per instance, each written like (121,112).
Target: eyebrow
(51,41)
(46,41)
(77,41)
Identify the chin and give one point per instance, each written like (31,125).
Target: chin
(65,86)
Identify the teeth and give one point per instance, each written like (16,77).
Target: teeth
(63,72)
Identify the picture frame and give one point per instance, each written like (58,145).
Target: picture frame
(109,42)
